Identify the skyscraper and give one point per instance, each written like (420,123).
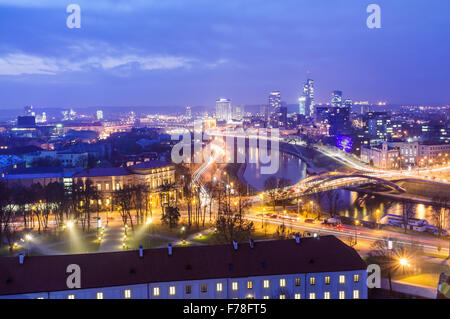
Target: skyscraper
(336,99)
(238,113)
(188,112)
(274,100)
(306,101)
(99,115)
(223,110)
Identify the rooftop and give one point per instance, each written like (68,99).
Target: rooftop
(103,171)
(48,273)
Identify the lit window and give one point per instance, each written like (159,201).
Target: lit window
(71,297)
(249,284)
(282,282)
(297,296)
(172,290)
(99,187)
(312,295)
(327,280)
(266,284)
(266,297)
(40,298)
(219,287)
(356,278)
(341,294)
(156,291)
(99,295)
(312,281)
(282,296)
(355,294)
(204,288)
(107,187)
(234,286)
(297,282)
(342,279)
(326,295)
(188,289)
(127,294)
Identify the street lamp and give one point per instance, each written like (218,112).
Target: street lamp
(356,232)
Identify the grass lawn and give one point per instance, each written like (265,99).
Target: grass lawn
(205,239)
(146,242)
(429,280)
(88,244)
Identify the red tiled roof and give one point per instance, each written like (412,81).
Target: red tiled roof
(48,273)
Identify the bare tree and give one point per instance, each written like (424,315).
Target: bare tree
(439,212)
(270,186)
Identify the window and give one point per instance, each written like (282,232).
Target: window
(356,278)
(188,289)
(312,281)
(282,296)
(326,295)
(266,284)
(99,295)
(312,295)
(249,284)
(234,286)
(204,288)
(282,282)
(99,187)
(71,297)
(266,297)
(297,282)
(107,186)
(327,280)
(341,294)
(156,291)
(342,279)
(297,296)
(172,290)
(219,287)
(355,294)
(127,294)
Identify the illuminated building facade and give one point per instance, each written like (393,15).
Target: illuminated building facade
(306,101)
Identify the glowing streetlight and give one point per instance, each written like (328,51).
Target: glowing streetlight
(28,237)
(404,262)
(70,224)
(149,221)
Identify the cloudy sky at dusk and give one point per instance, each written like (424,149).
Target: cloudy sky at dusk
(189,52)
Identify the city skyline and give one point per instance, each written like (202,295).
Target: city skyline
(143,54)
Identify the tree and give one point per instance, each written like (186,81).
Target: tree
(407,213)
(171,217)
(391,254)
(270,186)
(123,198)
(333,202)
(439,212)
(283,192)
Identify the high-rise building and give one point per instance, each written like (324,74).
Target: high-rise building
(238,114)
(223,110)
(274,100)
(306,101)
(377,124)
(336,99)
(99,115)
(188,112)
(348,103)
(28,111)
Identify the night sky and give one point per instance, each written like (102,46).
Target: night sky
(190,52)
